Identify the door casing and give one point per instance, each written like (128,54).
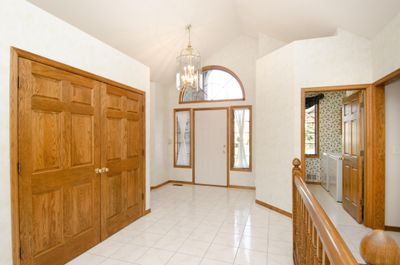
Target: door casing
(374,155)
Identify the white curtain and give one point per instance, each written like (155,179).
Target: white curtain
(183,152)
(241,159)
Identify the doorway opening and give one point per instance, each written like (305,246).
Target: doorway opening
(334,145)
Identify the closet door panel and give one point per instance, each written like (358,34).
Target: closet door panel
(59,117)
(122,149)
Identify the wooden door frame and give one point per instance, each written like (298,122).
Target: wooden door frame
(378,129)
(16,54)
(227,144)
(374,148)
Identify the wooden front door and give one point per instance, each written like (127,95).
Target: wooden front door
(352,158)
(59,141)
(122,147)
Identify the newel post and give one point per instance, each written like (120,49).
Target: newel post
(296,171)
(378,248)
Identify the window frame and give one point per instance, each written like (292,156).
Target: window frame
(175,137)
(221,68)
(232,142)
(317,152)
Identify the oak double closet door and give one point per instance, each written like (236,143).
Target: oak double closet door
(81,158)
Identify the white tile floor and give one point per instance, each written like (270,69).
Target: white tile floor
(351,231)
(199,225)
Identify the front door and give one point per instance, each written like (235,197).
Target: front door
(211,156)
(352,156)
(59,139)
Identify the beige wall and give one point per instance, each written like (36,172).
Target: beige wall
(239,56)
(385,49)
(338,60)
(158,134)
(27,27)
(392,114)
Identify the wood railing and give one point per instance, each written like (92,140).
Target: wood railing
(316,240)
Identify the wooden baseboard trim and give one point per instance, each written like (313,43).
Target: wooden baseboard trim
(273,208)
(242,187)
(181,182)
(146,212)
(392,228)
(313,182)
(209,185)
(160,185)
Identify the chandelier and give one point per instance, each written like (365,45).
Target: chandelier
(189,74)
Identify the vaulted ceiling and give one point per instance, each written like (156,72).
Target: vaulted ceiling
(153,31)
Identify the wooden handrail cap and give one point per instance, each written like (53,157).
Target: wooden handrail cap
(296,162)
(378,248)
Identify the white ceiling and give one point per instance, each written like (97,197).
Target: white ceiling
(153,31)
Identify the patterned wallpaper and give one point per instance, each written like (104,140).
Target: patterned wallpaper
(330,130)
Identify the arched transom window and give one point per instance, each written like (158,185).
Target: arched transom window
(219,84)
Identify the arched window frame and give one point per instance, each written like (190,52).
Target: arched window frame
(221,68)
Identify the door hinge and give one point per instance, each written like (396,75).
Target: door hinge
(19,168)
(20,253)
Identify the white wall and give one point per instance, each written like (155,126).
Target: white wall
(25,26)
(275,140)
(159,134)
(338,60)
(386,54)
(392,194)
(239,56)
(266,44)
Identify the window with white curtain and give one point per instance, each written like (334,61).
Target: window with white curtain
(241,138)
(182,146)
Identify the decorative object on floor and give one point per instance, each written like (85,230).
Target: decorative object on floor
(378,247)
(189,75)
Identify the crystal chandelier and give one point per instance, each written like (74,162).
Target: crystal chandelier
(189,74)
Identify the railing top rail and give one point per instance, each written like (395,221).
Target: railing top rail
(335,247)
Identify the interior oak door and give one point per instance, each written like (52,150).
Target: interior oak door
(59,139)
(352,157)
(211,141)
(123,155)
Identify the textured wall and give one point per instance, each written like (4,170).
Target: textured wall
(330,130)
(239,56)
(339,60)
(392,181)
(25,26)
(385,49)
(159,134)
